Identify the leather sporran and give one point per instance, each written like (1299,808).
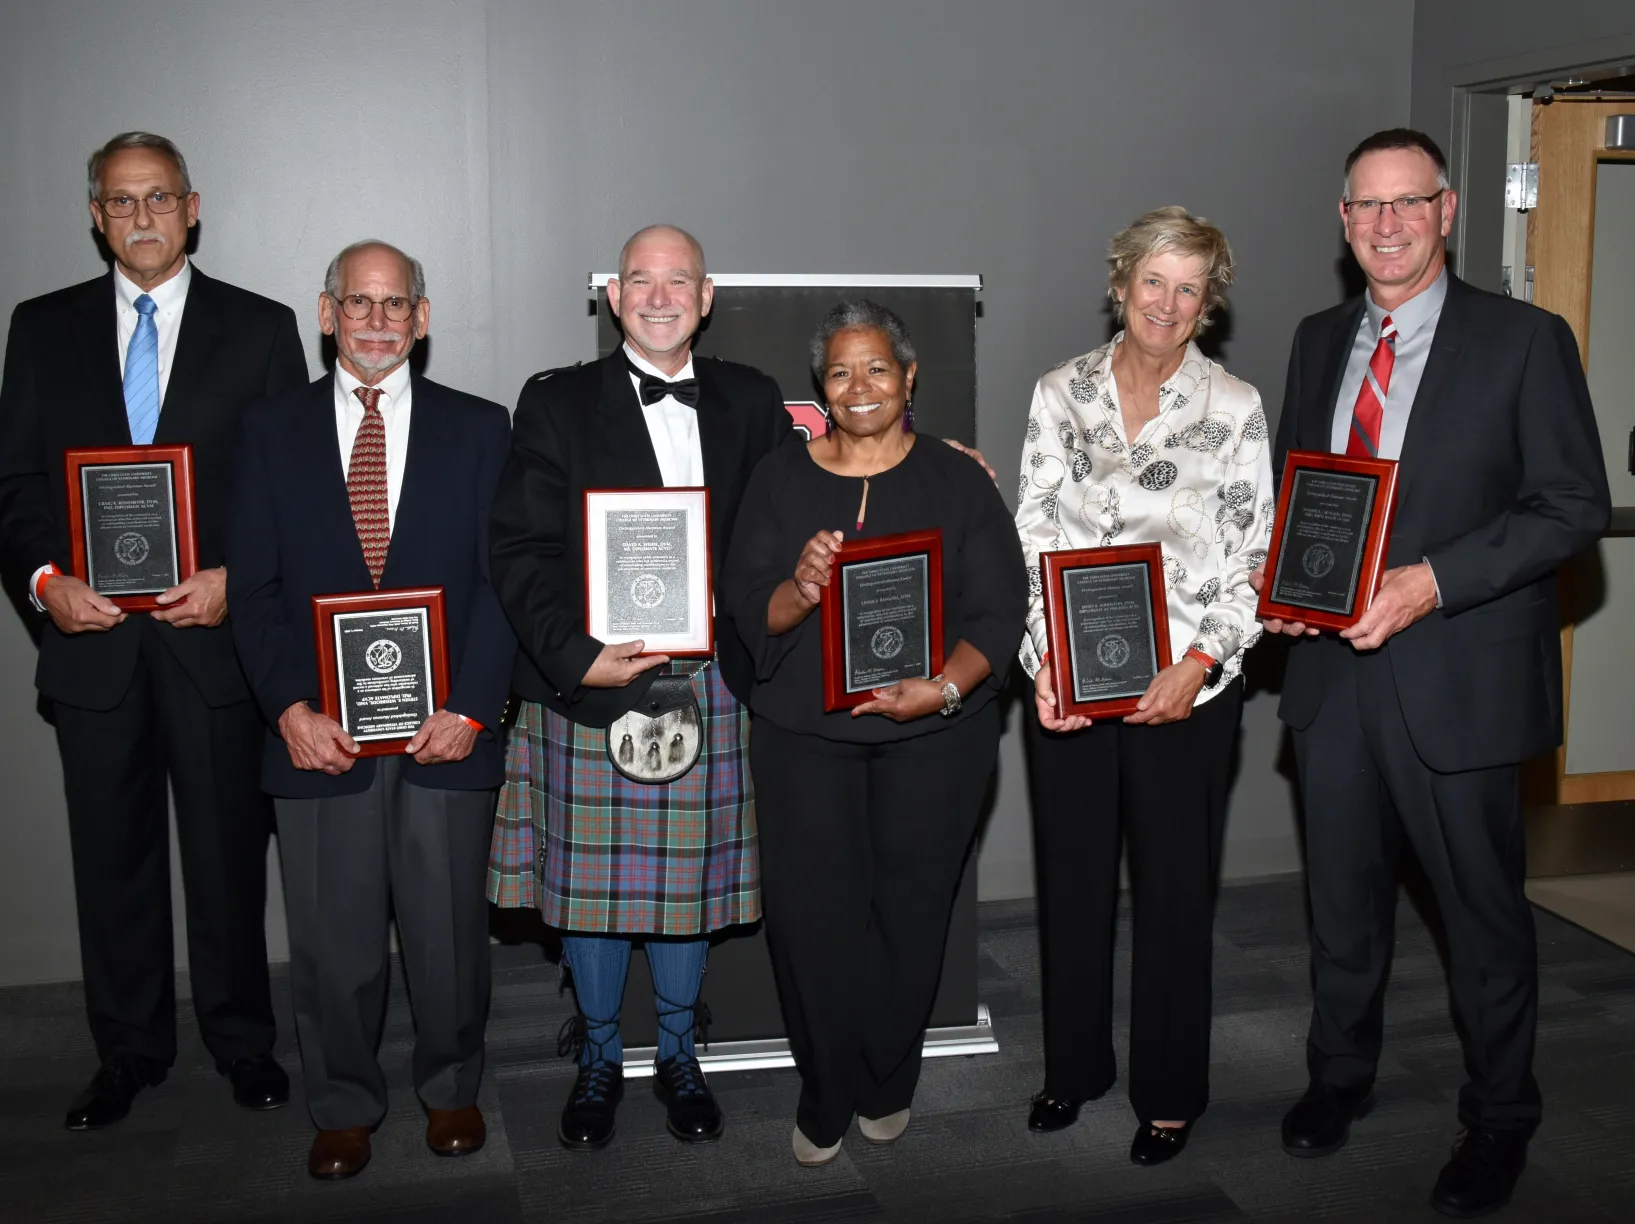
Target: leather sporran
(661,739)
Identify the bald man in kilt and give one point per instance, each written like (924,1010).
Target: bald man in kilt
(606,855)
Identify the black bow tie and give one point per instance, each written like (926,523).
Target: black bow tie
(653,389)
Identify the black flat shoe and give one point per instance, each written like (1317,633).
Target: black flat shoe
(258,1082)
(1482,1174)
(691,1114)
(1320,1122)
(1156,1144)
(1053,1113)
(107,1098)
(587,1118)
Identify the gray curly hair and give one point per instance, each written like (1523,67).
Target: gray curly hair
(860,312)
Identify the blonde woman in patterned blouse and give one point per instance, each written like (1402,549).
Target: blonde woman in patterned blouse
(1143,440)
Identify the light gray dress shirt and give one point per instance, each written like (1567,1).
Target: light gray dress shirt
(1416,322)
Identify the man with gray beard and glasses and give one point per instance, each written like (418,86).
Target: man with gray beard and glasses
(152,352)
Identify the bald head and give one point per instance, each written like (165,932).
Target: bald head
(663,235)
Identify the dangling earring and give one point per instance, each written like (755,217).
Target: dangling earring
(828,423)
(908,415)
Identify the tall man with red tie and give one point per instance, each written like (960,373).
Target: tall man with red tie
(376,477)
(149,705)
(1413,723)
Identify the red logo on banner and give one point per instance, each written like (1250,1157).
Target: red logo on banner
(809,417)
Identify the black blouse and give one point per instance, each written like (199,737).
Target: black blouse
(984,582)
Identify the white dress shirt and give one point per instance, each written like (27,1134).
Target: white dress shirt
(673,427)
(168,299)
(1196,480)
(396,394)
(1415,321)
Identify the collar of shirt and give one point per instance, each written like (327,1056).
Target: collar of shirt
(647,367)
(1413,314)
(1176,391)
(392,389)
(167,298)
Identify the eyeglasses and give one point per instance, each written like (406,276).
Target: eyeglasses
(125,206)
(356,306)
(1407,208)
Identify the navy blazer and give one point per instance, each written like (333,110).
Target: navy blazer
(63,389)
(1501,481)
(291,537)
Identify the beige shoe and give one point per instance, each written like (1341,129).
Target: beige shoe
(810,1154)
(888,1129)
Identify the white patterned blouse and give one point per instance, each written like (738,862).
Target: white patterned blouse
(1197,480)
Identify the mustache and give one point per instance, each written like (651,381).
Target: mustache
(379,337)
(138,235)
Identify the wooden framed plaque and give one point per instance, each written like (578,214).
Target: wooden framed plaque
(1107,626)
(647,569)
(1329,539)
(882,616)
(130,516)
(382,663)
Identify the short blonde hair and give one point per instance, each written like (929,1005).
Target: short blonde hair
(1171,228)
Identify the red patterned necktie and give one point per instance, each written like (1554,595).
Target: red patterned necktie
(366,483)
(1364,442)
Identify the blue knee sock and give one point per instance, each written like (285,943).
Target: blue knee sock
(678,969)
(599,966)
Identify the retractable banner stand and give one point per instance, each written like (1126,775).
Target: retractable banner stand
(767,321)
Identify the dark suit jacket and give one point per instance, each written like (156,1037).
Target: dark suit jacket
(1501,480)
(583,428)
(63,389)
(291,536)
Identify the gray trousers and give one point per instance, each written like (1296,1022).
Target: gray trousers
(349,862)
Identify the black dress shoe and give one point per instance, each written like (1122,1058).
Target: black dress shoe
(1053,1113)
(258,1082)
(1482,1174)
(1320,1121)
(587,1118)
(107,1099)
(691,1114)
(1156,1144)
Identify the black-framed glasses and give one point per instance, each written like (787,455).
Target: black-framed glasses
(125,206)
(1407,208)
(357,306)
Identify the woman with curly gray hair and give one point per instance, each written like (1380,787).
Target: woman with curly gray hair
(1144,440)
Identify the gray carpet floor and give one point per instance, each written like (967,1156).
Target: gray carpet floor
(186,1153)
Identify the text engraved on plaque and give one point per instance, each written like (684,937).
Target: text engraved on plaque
(886,618)
(647,577)
(384,665)
(130,528)
(1110,630)
(1325,536)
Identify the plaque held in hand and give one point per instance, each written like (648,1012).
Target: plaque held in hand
(130,516)
(1329,539)
(382,663)
(882,616)
(1107,626)
(647,570)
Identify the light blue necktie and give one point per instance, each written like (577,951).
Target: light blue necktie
(142,375)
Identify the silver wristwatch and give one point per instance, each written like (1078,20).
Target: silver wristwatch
(951,700)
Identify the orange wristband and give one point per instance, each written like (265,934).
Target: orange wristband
(1200,658)
(50,571)
(470,722)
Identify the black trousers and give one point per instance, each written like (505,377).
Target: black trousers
(1364,787)
(349,863)
(862,848)
(115,766)
(1162,792)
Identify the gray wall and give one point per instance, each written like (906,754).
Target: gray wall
(525,140)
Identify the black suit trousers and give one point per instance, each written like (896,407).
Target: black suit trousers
(1364,787)
(115,768)
(862,847)
(1162,792)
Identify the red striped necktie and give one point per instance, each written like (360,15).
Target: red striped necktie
(366,484)
(1366,417)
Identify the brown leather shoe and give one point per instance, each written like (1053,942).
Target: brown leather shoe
(455,1132)
(339,1153)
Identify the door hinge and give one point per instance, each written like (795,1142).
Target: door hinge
(1521,186)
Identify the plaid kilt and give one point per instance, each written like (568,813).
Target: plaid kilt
(599,853)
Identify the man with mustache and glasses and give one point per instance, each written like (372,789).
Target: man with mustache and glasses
(376,477)
(156,352)
(1413,723)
